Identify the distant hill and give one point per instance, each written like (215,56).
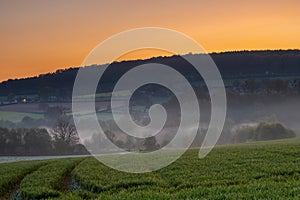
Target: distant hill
(237,64)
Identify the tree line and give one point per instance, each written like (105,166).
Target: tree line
(58,137)
(35,142)
(231,65)
(263,131)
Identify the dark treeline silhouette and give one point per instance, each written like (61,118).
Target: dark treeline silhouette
(231,65)
(35,142)
(55,134)
(263,131)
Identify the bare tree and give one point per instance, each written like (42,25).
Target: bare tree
(65,130)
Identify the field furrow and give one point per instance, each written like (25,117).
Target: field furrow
(48,181)
(12,173)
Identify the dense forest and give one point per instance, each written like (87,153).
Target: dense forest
(231,65)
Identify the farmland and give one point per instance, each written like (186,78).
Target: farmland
(16,112)
(18,116)
(263,170)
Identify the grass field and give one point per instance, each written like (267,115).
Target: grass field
(18,116)
(263,170)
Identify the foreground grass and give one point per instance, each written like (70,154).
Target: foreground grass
(269,170)
(47,181)
(264,170)
(12,173)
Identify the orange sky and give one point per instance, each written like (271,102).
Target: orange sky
(39,36)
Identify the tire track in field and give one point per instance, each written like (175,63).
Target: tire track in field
(68,177)
(12,191)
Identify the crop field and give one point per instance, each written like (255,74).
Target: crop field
(16,112)
(17,116)
(263,170)
(12,173)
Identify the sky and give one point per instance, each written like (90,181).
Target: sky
(40,36)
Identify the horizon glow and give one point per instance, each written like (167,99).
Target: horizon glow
(42,36)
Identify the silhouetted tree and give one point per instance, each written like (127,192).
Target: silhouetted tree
(272,132)
(33,141)
(37,141)
(64,130)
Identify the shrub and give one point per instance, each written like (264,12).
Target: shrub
(263,131)
(272,132)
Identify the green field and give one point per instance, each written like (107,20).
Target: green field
(263,170)
(18,116)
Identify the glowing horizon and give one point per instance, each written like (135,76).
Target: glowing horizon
(38,37)
(131,57)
